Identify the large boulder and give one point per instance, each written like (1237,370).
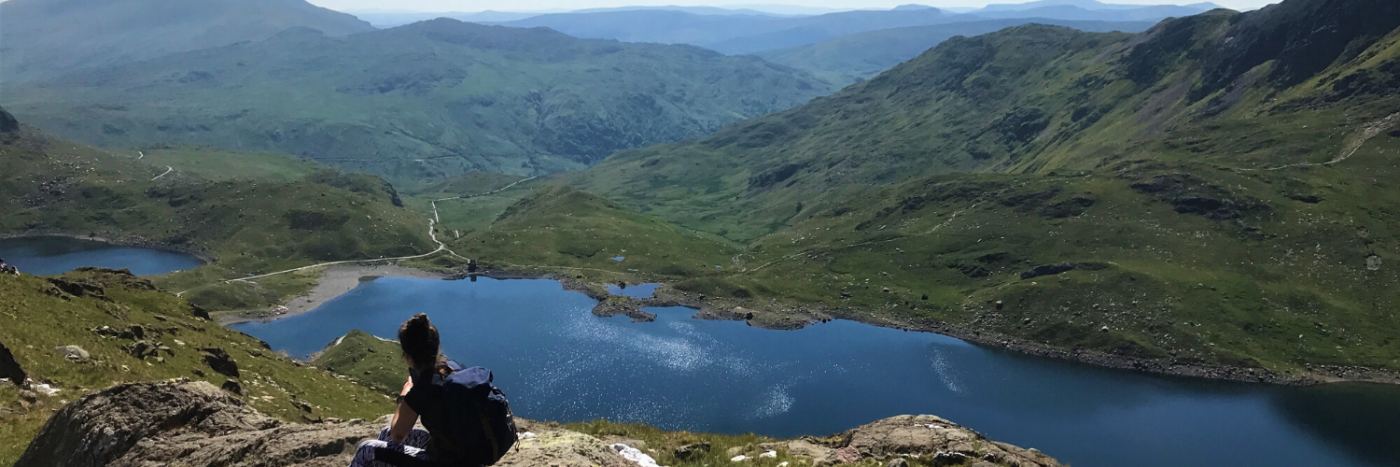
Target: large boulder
(195,423)
(927,435)
(8,124)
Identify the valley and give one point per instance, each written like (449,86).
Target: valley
(1193,201)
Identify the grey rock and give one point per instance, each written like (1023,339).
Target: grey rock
(195,423)
(900,462)
(73,353)
(927,435)
(219,361)
(691,450)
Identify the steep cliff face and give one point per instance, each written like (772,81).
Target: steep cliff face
(195,423)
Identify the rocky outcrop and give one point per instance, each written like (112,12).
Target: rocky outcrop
(9,368)
(195,423)
(8,124)
(927,436)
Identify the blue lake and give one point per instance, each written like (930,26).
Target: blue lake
(56,255)
(556,361)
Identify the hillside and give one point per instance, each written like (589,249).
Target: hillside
(126,331)
(1206,192)
(251,218)
(431,99)
(762,34)
(46,38)
(1080,13)
(730,34)
(858,57)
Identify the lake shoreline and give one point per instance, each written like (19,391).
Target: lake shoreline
(134,242)
(334,282)
(725,309)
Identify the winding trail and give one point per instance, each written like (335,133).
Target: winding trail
(168,169)
(1353,144)
(431,234)
(488,193)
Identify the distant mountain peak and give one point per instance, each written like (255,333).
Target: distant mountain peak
(913,6)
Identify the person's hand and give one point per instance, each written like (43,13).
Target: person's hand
(407,386)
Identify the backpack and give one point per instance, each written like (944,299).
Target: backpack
(469,420)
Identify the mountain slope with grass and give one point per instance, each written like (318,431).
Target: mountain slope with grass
(91,329)
(46,38)
(1208,192)
(252,218)
(430,99)
(859,57)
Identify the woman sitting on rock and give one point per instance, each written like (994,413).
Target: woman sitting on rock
(470,420)
(420,342)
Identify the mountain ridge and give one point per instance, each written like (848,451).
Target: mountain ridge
(464,97)
(46,38)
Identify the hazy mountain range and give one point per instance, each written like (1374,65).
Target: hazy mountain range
(429,99)
(41,38)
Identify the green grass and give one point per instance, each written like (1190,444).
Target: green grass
(37,317)
(217,165)
(558,228)
(376,362)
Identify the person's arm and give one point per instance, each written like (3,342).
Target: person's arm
(404,417)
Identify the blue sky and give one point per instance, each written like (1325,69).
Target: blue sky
(538,5)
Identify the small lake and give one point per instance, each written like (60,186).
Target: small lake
(56,255)
(556,361)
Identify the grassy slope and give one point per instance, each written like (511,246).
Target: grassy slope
(560,228)
(219,165)
(378,363)
(858,57)
(37,317)
(431,99)
(245,226)
(950,175)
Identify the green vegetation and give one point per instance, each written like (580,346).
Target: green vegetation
(47,38)
(39,314)
(242,226)
(1220,205)
(218,165)
(376,362)
(560,228)
(858,57)
(427,100)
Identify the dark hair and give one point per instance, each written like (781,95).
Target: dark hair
(419,340)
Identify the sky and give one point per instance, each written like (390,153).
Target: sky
(544,5)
